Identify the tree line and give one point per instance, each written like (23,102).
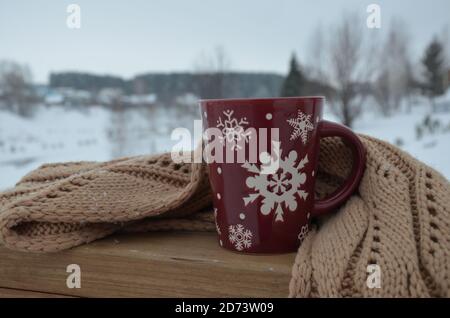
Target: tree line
(167,86)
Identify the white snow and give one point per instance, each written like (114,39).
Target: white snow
(432,149)
(57,133)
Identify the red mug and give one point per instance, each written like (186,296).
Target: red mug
(264,202)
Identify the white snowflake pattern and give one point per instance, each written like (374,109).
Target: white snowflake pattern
(303,232)
(302,125)
(215,220)
(280,188)
(240,237)
(233,131)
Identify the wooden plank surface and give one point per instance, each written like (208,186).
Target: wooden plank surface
(16,293)
(170,264)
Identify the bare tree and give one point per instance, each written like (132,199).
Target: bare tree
(212,71)
(345,62)
(317,55)
(394,71)
(15,87)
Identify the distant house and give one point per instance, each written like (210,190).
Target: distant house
(54,98)
(140,100)
(62,95)
(187,99)
(112,96)
(48,95)
(108,96)
(41,90)
(74,96)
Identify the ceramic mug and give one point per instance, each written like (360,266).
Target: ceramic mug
(264,202)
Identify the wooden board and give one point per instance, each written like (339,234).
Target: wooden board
(16,293)
(166,264)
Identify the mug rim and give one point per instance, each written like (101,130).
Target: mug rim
(243,100)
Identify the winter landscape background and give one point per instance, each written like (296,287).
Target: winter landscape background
(58,134)
(391,83)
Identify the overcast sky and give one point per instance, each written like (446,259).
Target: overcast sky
(129,37)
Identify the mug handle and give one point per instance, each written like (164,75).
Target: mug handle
(338,197)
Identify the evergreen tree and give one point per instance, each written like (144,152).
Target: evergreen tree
(434,65)
(294,83)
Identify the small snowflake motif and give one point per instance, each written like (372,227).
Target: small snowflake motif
(233,131)
(215,220)
(218,229)
(240,237)
(302,125)
(280,189)
(303,233)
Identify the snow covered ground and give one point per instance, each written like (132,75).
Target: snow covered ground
(56,134)
(432,149)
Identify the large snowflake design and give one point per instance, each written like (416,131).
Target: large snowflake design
(240,237)
(278,190)
(233,131)
(302,125)
(303,232)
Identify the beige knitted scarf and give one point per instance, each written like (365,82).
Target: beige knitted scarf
(399,220)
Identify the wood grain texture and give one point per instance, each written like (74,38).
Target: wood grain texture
(16,293)
(175,264)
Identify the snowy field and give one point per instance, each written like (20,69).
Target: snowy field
(58,134)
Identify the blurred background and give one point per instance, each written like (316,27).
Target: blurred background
(96,80)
